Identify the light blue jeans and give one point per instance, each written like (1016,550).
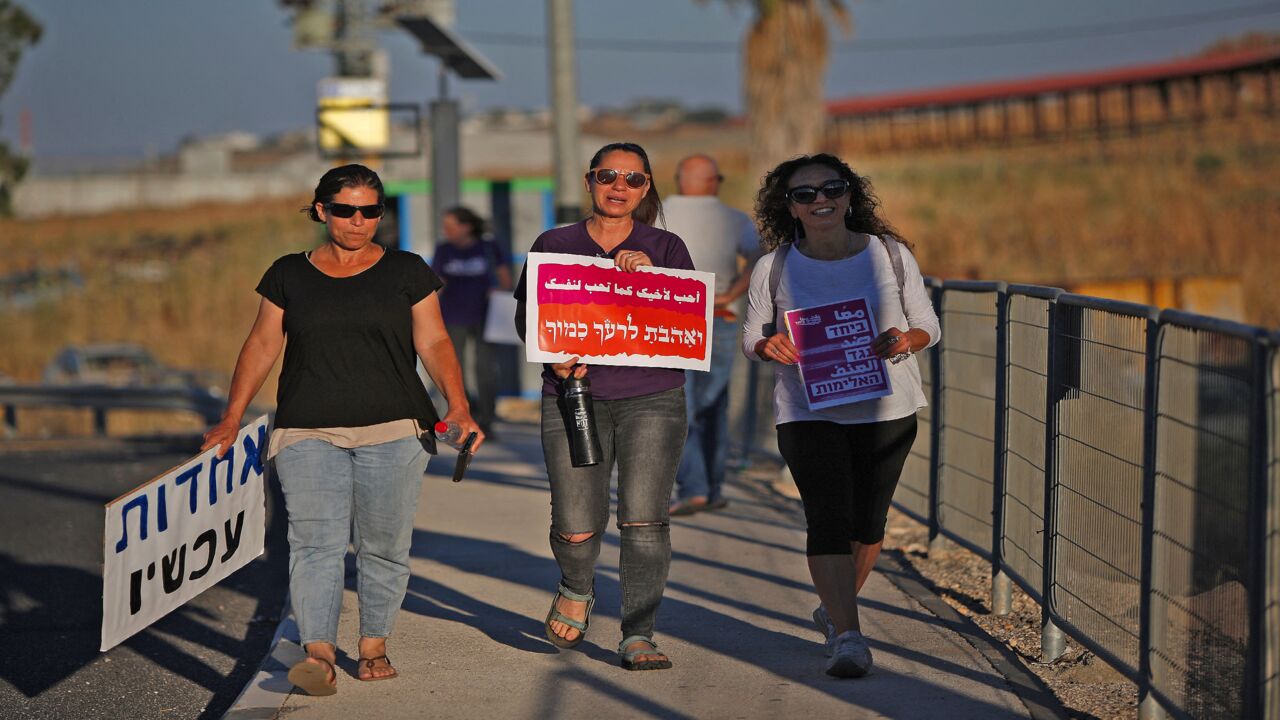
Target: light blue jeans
(706,448)
(368,496)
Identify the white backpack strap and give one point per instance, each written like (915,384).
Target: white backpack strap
(894,248)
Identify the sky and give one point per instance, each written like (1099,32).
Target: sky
(125,78)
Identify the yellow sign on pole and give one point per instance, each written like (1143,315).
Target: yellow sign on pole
(352,114)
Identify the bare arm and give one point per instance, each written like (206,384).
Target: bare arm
(257,357)
(431,342)
(503,272)
(740,286)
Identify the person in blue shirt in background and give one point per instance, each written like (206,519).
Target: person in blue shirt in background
(471,267)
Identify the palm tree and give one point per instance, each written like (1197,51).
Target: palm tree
(18,31)
(784,63)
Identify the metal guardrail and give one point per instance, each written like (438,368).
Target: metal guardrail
(1122,463)
(104,398)
(1118,463)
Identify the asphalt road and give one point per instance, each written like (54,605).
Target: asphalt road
(190,664)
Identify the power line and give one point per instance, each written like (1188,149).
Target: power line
(938,42)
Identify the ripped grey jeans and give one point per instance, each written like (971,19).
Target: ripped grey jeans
(643,436)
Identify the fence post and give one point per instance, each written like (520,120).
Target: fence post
(1001,587)
(1259,506)
(1052,642)
(1148,707)
(936,541)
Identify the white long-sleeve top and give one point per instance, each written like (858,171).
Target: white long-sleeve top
(806,283)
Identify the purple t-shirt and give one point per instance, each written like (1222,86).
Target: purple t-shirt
(468,274)
(615,382)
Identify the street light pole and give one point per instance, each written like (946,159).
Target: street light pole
(564,110)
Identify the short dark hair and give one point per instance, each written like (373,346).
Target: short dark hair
(650,207)
(346,176)
(468,217)
(775,221)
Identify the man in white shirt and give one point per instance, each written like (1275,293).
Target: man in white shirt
(717,236)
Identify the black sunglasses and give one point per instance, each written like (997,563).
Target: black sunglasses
(806,194)
(343,210)
(606,176)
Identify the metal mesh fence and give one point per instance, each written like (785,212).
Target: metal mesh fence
(1197,439)
(965,472)
(1200,554)
(1022,545)
(912,495)
(1271,646)
(1099,358)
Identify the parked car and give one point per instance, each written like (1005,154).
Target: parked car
(121,365)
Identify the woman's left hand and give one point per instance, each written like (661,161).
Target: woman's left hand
(891,342)
(468,424)
(630,260)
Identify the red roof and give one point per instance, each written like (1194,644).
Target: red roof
(1053,84)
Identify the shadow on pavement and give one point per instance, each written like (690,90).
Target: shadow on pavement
(797,659)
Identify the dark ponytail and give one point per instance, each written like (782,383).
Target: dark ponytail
(650,208)
(346,176)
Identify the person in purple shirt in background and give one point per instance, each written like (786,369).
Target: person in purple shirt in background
(471,267)
(640,418)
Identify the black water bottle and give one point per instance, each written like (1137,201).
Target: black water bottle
(580,419)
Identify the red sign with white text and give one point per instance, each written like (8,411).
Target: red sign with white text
(585,307)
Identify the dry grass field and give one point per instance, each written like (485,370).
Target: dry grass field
(1167,203)
(178,282)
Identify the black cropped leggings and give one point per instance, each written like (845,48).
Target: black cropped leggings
(846,475)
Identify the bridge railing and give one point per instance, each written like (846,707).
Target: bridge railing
(102,399)
(1119,464)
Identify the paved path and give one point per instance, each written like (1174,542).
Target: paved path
(469,642)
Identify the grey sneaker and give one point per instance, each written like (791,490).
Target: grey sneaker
(852,657)
(822,621)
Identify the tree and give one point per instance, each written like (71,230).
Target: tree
(784,65)
(18,31)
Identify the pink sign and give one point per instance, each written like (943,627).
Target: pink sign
(837,365)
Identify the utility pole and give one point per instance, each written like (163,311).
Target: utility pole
(354,42)
(564,110)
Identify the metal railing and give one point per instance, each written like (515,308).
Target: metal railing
(104,398)
(1119,464)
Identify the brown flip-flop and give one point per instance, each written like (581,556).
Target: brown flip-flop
(314,678)
(367,663)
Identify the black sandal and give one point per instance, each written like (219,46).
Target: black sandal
(367,663)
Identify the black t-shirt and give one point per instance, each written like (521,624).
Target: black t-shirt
(349,359)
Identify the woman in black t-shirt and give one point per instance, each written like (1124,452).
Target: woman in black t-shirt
(350,410)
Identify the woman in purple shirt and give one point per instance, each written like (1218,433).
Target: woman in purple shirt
(471,266)
(640,418)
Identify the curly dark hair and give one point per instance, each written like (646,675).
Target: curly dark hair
(775,221)
(346,176)
(468,217)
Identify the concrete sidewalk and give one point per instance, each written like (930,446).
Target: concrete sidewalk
(469,642)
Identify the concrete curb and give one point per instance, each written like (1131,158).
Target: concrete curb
(266,692)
